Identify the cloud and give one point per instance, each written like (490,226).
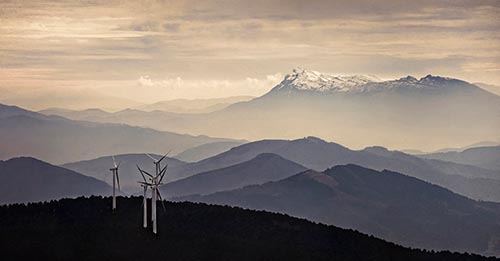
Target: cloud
(183,44)
(177,87)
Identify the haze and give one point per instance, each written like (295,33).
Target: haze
(148,51)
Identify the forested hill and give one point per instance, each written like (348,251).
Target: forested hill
(86,229)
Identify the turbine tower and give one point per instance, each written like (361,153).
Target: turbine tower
(145,186)
(116,180)
(155,181)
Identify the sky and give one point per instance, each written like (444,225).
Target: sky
(112,53)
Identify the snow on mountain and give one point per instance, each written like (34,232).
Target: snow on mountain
(312,81)
(306,80)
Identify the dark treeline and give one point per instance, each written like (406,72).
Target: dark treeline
(86,229)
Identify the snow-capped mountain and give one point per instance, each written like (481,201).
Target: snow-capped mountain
(306,80)
(428,113)
(301,80)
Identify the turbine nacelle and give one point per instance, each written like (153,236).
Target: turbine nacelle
(155,160)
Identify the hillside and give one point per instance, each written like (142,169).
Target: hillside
(31,180)
(206,150)
(263,168)
(85,229)
(317,154)
(386,204)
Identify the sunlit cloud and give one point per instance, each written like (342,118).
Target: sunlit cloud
(188,43)
(179,88)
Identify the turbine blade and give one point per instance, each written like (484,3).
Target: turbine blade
(114,162)
(161,199)
(164,156)
(147,154)
(143,171)
(142,174)
(118,180)
(147,173)
(163,172)
(119,164)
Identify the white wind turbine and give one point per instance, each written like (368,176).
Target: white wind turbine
(116,179)
(154,183)
(145,186)
(157,162)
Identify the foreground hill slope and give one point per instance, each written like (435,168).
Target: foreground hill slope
(30,180)
(85,229)
(386,204)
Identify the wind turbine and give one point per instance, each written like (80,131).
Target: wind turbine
(154,187)
(116,179)
(154,184)
(157,161)
(145,186)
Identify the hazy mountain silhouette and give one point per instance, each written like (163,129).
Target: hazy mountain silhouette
(318,155)
(129,174)
(489,87)
(358,111)
(30,180)
(474,145)
(386,204)
(485,157)
(310,152)
(194,105)
(59,140)
(206,150)
(86,229)
(82,115)
(261,169)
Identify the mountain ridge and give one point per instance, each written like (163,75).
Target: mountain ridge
(307,80)
(27,179)
(384,203)
(263,168)
(58,140)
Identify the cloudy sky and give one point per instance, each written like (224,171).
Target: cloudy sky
(145,51)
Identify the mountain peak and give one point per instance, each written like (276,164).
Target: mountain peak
(409,79)
(312,139)
(307,80)
(303,80)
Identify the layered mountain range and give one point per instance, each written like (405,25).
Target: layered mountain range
(392,200)
(58,140)
(429,113)
(310,153)
(386,204)
(443,200)
(485,157)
